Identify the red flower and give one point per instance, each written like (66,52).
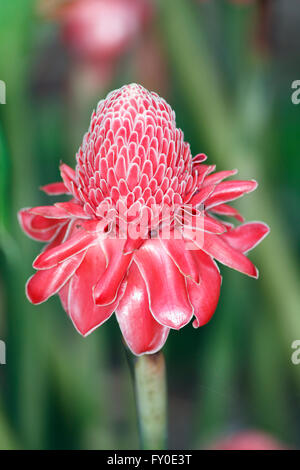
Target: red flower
(102,29)
(135,238)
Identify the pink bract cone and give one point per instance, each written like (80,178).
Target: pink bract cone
(159,272)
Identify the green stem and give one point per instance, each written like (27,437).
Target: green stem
(151,400)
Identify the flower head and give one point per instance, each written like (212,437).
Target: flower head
(142,230)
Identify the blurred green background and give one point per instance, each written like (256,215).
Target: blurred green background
(227,69)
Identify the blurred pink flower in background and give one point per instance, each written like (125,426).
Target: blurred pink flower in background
(134,162)
(103,29)
(249,440)
(98,33)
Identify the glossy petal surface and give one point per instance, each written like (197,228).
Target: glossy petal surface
(166,286)
(85,315)
(205,296)
(142,333)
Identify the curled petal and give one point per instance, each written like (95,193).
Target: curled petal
(76,244)
(82,310)
(166,286)
(48,282)
(182,257)
(204,297)
(228,191)
(68,176)
(202,195)
(55,189)
(38,227)
(224,209)
(73,209)
(216,247)
(107,287)
(246,237)
(142,333)
(218,177)
(199,158)
(50,212)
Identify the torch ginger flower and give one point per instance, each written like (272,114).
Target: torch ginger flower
(133,164)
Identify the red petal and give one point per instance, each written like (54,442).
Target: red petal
(182,258)
(59,236)
(83,312)
(68,176)
(203,171)
(64,296)
(77,243)
(199,158)
(38,227)
(202,223)
(166,286)
(108,284)
(228,191)
(50,212)
(132,245)
(73,209)
(245,237)
(215,246)
(218,177)
(142,333)
(48,282)
(204,297)
(202,195)
(54,189)
(213,226)
(224,209)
